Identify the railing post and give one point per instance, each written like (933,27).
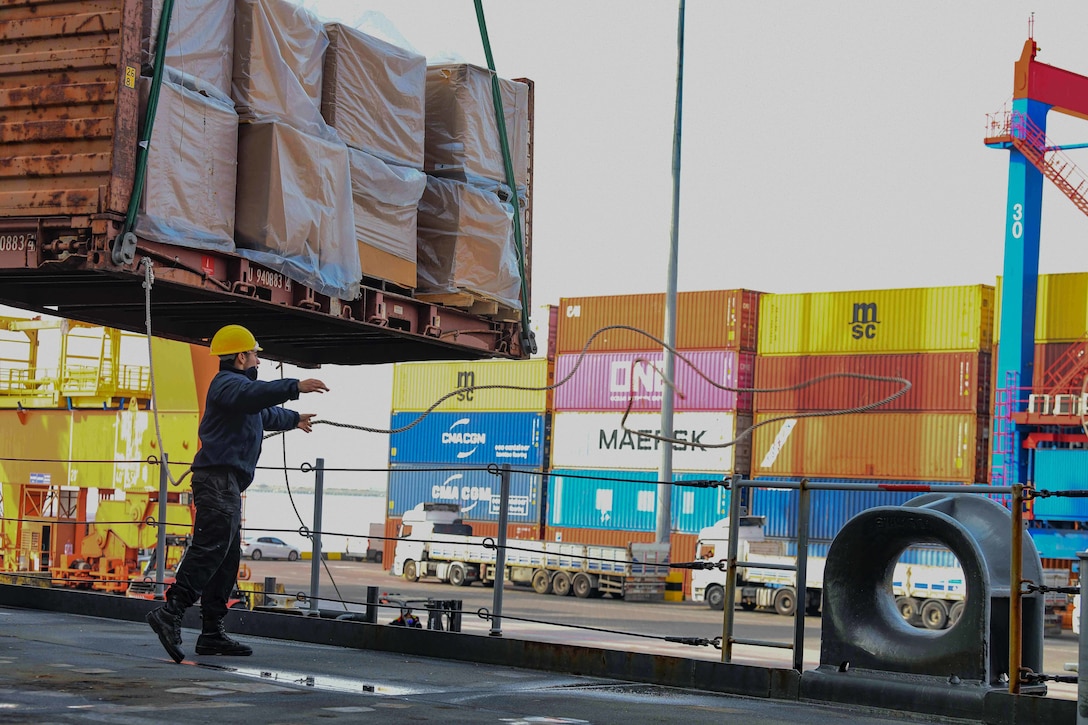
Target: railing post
(1082,655)
(315,564)
(1016,576)
(160,559)
(804,507)
(500,552)
(728,614)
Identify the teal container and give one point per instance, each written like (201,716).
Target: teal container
(627,500)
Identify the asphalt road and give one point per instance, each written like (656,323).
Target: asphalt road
(605,622)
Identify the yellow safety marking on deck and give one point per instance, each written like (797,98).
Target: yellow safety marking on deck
(92,671)
(349,709)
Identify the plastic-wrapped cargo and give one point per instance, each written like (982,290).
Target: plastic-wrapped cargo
(466,243)
(385,199)
(189,190)
(373,94)
(201,39)
(462,140)
(279,55)
(294,207)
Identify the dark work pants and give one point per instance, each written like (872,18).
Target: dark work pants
(209,569)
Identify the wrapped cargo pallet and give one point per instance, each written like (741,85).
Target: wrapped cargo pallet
(189,190)
(385,199)
(201,40)
(462,140)
(373,94)
(466,244)
(279,55)
(294,207)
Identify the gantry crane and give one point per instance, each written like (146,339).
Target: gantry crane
(1037,89)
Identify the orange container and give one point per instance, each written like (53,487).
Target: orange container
(710,320)
(908,446)
(950,382)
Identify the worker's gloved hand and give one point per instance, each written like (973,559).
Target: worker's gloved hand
(312,385)
(305,423)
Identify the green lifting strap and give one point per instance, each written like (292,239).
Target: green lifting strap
(528,339)
(124,246)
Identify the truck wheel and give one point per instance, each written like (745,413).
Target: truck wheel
(456,575)
(934,614)
(785,602)
(909,609)
(542,582)
(955,612)
(561,584)
(715,598)
(582,586)
(410,572)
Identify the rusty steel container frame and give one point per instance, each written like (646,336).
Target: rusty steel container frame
(805,487)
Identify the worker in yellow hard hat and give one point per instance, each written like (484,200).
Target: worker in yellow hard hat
(239,410)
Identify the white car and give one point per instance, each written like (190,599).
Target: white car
(269,547)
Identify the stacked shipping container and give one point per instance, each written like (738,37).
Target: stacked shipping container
(937,338)
(605,471)
(444,456)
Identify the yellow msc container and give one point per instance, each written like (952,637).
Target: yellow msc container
(1061,308)
(416,386)
(923,319)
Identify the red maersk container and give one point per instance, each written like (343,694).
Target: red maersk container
(940,382)
(608,380)
(710,320)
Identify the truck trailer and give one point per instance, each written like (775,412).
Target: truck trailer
(926,596)
(435,542)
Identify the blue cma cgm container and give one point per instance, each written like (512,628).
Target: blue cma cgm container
(469,439)
(1061,469)
(830,509)
(627,500)
(475,490)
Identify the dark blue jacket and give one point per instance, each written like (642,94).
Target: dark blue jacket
(237,414)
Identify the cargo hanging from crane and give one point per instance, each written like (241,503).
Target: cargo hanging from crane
(75,95)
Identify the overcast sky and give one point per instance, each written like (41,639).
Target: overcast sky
(830,145)
(826,146)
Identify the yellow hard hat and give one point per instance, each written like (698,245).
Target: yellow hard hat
(233,339)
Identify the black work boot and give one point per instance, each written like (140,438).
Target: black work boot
(214,640)
(166,621)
